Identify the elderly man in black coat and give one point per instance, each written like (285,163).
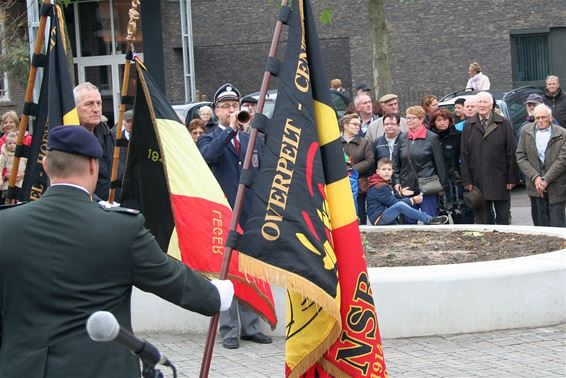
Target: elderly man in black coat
(488,161)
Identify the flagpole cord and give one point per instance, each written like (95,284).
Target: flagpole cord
(238,204)
(28,99)
(130,37)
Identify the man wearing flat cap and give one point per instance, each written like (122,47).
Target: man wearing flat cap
(531,102)
(224,149)
(248,104)
(389,104)
(77,258)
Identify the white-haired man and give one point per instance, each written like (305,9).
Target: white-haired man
(470,111)
(488,161)
(541,155)
(555,99)
(89,109)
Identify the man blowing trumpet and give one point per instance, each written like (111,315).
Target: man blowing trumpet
(64,257)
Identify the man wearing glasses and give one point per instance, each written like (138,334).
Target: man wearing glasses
(541,155)
(389,104)
(224,149)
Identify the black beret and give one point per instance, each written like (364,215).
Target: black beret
(226,92)
(75,140)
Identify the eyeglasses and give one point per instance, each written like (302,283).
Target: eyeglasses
(541,118)
(228,106)
(410,118)
(354,123)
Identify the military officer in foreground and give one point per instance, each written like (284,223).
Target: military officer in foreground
(64,257)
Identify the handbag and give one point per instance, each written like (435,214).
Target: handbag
(430,185)
(427,185)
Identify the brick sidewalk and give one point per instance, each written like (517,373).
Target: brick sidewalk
(537,352)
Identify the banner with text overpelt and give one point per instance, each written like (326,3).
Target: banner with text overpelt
(303,232)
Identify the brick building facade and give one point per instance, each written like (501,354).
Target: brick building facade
(431,42)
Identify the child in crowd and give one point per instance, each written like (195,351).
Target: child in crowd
(383,206)
(6,160)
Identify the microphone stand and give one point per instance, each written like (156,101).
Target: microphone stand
(149,371)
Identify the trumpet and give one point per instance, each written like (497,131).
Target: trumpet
(243,117)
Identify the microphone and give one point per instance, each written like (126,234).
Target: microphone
(102,326)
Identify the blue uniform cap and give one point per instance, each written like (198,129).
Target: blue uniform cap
(226,92)
(75,140)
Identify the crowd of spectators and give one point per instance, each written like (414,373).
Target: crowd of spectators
(462,164)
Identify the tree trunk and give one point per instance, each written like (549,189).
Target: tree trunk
(381,71)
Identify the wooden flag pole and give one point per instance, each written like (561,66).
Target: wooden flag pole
(28,99)
(238,204)
(132,27)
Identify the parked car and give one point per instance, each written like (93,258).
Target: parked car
(339,100)
(511,103)
(188,112)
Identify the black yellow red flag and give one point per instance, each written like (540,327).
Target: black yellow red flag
(56,106)
(303,232)
(167,179)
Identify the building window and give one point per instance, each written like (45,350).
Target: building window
(530,57)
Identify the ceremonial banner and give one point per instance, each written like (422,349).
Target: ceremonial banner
(56,106)
(167,179)
(303,232)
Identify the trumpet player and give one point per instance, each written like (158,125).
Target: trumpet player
(224,149)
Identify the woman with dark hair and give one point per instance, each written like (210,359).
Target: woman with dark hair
(196,128)
(360,158)
(418,156)
(385,144)
(442,124)
(430,105)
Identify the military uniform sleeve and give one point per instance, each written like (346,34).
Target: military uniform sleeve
(212,145)
(155,272)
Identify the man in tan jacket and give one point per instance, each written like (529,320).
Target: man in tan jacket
(541,155)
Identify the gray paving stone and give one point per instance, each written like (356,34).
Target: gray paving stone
(538,352)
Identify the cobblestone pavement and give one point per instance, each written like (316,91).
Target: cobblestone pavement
(536,352)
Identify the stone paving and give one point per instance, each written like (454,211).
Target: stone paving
(536,352)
